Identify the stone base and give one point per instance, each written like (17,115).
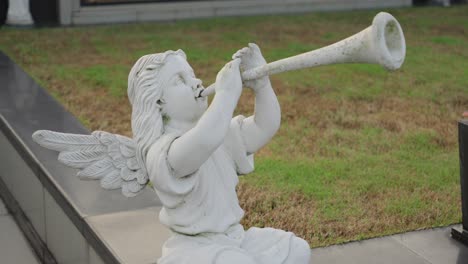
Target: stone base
(19,21)
(19,14)
(460,235)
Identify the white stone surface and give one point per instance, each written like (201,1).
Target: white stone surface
(100,156)
(193,154)
(381,43)
(18,13)
(13,246)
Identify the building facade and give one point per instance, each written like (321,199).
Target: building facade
(78,12)
(82,12)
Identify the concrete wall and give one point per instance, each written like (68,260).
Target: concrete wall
(71,13)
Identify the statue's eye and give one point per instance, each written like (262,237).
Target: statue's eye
(180,79)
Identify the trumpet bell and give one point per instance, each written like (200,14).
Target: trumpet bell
(388,38)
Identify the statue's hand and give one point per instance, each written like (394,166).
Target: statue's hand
(251,57)
(229,80)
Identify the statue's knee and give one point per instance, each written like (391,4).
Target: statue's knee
(300,251)
(234,257)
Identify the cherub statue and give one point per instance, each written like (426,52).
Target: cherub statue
(192,153)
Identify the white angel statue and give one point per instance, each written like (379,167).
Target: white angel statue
(193,155)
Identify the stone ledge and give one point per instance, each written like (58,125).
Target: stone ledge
(140,237)
(52,199)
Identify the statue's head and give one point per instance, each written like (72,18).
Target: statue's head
(145,93)
(144,78)
(162,87)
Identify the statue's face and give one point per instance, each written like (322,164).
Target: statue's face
(181,90)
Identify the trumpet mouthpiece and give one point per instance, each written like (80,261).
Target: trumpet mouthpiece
(207,91)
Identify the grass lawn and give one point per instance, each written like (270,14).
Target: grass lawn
(361,152)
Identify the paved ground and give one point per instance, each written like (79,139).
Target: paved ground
(433,246)
(13,245)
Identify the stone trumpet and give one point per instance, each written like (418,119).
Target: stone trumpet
(381,43)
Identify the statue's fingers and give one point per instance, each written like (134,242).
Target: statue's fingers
(240,53)
(237,54)
(243,51)
(254,46)
(234,64)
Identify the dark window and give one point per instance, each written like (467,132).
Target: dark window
(107,2)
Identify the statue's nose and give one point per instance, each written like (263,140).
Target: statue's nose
(197,84)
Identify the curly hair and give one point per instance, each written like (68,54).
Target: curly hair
(145,93)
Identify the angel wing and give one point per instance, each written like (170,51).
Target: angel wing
(102,156)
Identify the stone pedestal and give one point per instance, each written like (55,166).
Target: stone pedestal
(18,13)
(462,235)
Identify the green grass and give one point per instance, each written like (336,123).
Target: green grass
(361,152)
(416,163)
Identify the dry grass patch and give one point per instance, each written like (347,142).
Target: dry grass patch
(371,215)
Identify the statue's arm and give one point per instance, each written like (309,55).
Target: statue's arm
(188,152)
(259,128)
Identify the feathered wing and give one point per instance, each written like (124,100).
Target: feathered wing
(102,156)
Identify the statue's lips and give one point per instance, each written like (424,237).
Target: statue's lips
(198,93)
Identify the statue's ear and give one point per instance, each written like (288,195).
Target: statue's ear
(161,102)
(161,106)
(162,109)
